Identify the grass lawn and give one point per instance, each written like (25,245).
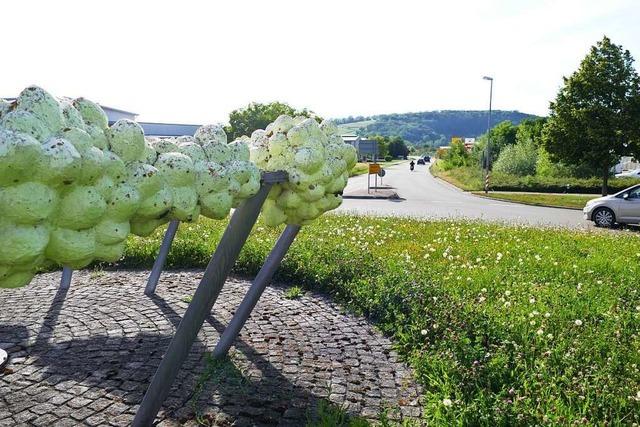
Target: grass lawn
(503,325)
(353,127)
(359,169)
(363,168)
(574,201)
(467,179)
(471,178)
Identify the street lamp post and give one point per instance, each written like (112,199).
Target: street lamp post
(488,150)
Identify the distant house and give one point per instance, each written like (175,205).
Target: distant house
(150,128)
(626,163)
(367,148)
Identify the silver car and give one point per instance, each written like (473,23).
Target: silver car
(621,208)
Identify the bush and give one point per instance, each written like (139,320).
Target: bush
(519,159)
(470,179)
(456,156)
(388,158)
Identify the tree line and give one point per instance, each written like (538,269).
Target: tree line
(593,122)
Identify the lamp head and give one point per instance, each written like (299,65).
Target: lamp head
(487,78)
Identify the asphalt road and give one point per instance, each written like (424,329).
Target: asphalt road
(424,196)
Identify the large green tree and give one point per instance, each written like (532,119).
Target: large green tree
(530,130)
(595,118)
(383,145)
(397,147)
(244,121)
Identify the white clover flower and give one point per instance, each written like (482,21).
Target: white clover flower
(578,322)
(424,332)
(547,314)
(539,332)
(447,402)
(532,300)
(549,336)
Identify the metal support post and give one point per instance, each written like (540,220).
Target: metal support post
(65,280)
(158,265)
(258,286)
(4,358)
(213,280)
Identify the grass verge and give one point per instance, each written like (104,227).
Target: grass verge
(502,325)
(359,169)
(471,178)
(467,179)
(571,201)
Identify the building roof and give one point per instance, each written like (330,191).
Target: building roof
(104,107)
(168,129)
(117,110)
(350,138)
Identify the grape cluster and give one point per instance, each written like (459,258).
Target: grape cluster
(317,161)
(72,188)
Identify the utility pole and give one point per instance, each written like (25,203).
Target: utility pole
(488,150)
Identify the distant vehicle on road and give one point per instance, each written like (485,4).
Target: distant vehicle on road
(427,159)
(620,208)
(629,174)
(421,161)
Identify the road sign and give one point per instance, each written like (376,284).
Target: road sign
(382,172)
(374,168)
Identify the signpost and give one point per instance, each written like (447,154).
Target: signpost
(374,169)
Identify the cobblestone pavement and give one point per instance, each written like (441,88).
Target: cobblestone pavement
(86,356)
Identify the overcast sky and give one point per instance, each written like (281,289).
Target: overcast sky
(194,62)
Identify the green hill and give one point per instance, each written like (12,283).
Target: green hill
(429,127)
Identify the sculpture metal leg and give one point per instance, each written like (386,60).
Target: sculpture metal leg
(65,280)
(4,358)
(158,265)
(204,298)
(258,286)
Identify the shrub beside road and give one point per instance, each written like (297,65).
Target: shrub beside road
(470,178)
(502,324)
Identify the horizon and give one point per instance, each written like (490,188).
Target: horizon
(198,62)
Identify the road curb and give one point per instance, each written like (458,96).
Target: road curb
(393,196)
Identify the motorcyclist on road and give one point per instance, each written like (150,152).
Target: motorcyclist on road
(412,165)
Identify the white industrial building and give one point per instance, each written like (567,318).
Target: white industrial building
(150,128)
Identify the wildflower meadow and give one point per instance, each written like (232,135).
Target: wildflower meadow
(502,324)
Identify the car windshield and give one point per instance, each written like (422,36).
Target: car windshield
(635,193)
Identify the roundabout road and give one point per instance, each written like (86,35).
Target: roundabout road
(425,196)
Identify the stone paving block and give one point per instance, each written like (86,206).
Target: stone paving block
(86,356)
